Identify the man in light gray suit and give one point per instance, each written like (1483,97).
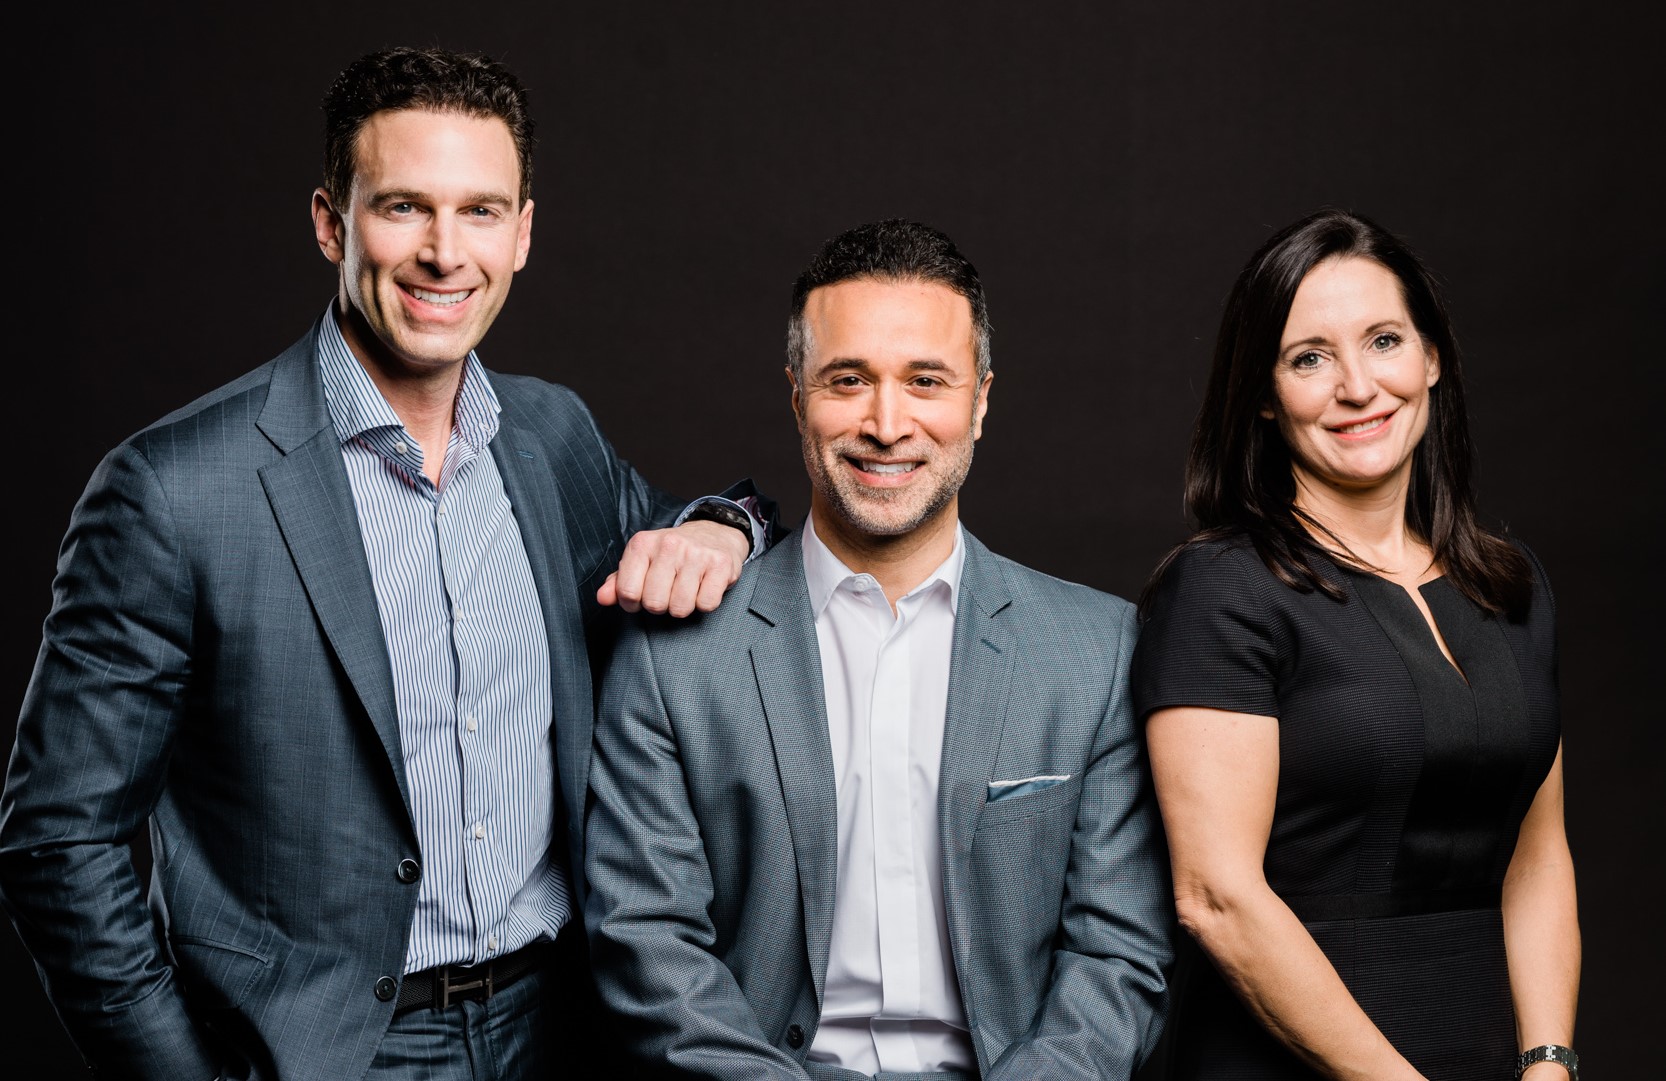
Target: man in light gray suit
(329,632)
(886,813)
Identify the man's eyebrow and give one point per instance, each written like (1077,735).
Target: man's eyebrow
(407,195)
(858,364)
(843,364)
(397,195)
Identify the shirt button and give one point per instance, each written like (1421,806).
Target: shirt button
(400,447)
(491,942)
(479,832)
(795,1036)
(409,871)
(471,724)
(386,988)
(457,611)
(441,511)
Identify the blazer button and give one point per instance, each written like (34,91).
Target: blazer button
(795,1037)
(386,988)
(409,871)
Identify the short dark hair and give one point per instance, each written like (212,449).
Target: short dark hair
(894,250)
(1238,474)
(431,79)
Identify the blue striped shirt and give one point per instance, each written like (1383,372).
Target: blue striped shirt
(471,668)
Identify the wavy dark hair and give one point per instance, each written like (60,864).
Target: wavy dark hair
(1238,475)
(432,79)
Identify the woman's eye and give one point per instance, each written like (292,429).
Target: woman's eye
(1385,341)
(1305,360)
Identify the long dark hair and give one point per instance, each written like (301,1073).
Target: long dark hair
(1238,474)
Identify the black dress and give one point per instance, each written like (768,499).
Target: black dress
(1402,786)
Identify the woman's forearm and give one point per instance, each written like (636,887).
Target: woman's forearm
(1288,983)
(1216,776)
(1541,926)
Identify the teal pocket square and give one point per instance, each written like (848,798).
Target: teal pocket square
(1000,790)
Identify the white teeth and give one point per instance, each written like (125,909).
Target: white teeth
(442,299)
(887,468)
(1362,426)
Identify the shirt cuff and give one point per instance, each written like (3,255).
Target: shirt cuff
(748,505)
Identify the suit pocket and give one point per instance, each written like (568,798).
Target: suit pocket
(216,975)
(1015,877)
(1038,801)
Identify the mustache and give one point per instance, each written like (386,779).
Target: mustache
(867,446)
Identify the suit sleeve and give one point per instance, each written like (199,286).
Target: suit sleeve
(639,505)
(650,888)
(93,741)
(1105,1007)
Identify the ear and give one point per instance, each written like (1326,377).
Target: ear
(981,406)
(1267,413)
(797,402)
(328,227)
(523,235)
(1431,367)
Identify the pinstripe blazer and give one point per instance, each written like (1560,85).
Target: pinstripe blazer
(712,832)
(214,663)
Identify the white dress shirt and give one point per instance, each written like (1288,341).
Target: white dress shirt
(891,1001)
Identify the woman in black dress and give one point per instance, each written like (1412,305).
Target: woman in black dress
(1350,693)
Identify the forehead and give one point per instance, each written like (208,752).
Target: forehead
(879,320)
(1343,291)
(424,150)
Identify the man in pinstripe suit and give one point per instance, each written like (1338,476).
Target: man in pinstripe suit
(330,630)
(886,813)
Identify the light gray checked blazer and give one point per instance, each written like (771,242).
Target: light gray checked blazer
(214,663)
(711,832)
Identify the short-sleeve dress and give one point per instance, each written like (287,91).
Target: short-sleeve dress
(1402,785)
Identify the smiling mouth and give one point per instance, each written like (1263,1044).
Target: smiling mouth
(883,469)
(1363,426)
(443,300)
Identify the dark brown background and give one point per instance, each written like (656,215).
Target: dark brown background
(1107,166)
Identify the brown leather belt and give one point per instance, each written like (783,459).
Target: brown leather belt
(442,985)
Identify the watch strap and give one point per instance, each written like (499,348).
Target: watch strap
(716,510)
(1549,1052)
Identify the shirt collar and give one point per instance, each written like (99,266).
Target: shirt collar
(824,572)
(357,407)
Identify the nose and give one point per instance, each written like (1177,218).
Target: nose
(889,419)
(1356,381)
(442,249)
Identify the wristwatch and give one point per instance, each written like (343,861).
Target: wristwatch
(1550,1052)
(726,513)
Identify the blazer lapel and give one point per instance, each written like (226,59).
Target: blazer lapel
(313,504)
(786,662)
(529,482)
(980,675)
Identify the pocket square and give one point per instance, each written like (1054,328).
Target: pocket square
(1000,790)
